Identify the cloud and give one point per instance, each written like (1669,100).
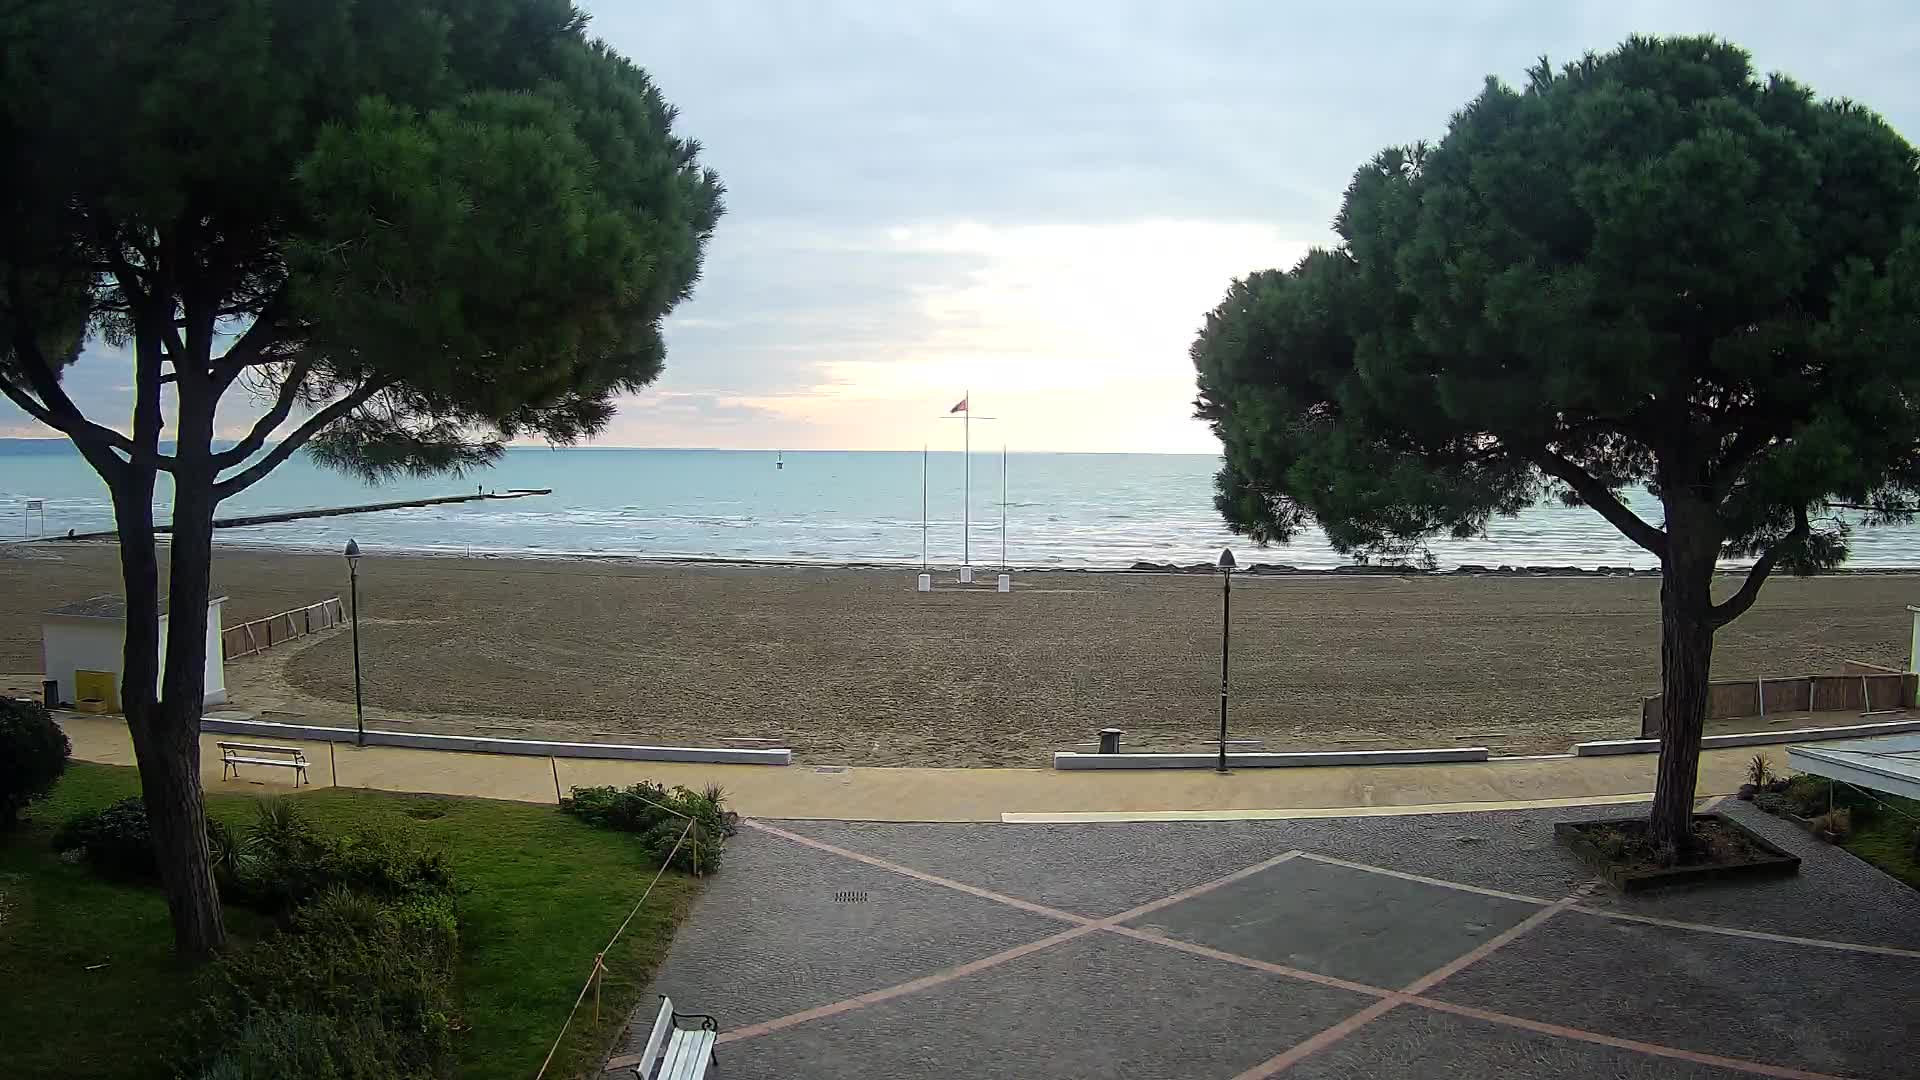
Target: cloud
(1040,201)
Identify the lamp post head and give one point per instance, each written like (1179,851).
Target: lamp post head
(1226,560)
(353,554)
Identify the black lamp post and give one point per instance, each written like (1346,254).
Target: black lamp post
(1226,608)
(353,584)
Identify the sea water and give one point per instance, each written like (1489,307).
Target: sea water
(1067,510)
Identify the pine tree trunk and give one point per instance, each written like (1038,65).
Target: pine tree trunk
(180,830)
(166,748)
(1686,667)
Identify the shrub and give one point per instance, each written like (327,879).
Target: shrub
(1760,771)
(660,815)
(280,1045)
(356,987)
(33,755)
(1835,824)
(286,863)
(1809,795)
(117,840)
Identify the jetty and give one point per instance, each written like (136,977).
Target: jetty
(331,511)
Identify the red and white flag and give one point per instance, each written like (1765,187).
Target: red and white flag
(962,407)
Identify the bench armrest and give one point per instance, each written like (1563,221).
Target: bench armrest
(707,1023)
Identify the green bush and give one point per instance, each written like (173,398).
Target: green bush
(285,863)
(117,840)
(33,755)
(277,864)
(660,815)
(306,1045)
(357,987)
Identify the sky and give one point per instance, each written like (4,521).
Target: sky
(1036,203)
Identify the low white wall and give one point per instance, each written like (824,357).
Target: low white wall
(1606,747)
(712,755)
(1071,760)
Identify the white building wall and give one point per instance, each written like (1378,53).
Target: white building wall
(68,645)
(71,644)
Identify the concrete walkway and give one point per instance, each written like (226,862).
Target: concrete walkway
(905,794)
(1397,948)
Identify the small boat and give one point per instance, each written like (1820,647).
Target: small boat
(779,459)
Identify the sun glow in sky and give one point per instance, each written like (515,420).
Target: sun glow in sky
(1040,202)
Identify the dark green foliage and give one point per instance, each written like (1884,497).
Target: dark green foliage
(357,988)
(360,983)
(274,865)
(661,816)
(399,232)
(286,863)
(469,210)
(117,841)
(33,755)
(1650,268)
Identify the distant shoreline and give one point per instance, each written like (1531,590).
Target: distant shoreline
(1255,569)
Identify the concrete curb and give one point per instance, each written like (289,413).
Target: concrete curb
(484,745)
(1071,760)
(1607,747)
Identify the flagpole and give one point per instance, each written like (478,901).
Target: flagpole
(966,494)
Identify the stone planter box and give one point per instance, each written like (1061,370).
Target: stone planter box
(1774,863)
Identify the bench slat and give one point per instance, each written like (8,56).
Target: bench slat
(266,761)
(660,1028)
(687,1055)
(262,747)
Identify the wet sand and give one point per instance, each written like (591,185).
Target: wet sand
(853,666)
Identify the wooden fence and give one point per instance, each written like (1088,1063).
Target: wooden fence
(1864,688)
(263,634)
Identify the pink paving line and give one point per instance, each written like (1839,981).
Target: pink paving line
(1603,913)
(1387,999)
(1423,879)
(1200,889)
(1313,1044)
(1085,926)
(1652,1049)
(1757,935)
(875,997)
(1270,968)
(921,875)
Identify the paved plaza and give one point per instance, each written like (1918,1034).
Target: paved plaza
(1466,945)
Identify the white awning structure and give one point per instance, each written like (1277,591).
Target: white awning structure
(1889,763)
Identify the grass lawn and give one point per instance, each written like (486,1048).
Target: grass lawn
(1885,838)
(541,893)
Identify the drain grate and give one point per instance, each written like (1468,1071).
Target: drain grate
(850,897)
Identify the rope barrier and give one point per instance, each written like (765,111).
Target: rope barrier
(593,977)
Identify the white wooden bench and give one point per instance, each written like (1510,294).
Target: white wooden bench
(233,755)
(679,1053)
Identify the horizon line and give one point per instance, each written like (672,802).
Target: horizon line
(51,439)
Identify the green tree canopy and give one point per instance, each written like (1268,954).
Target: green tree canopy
(1649,268)
(404,231)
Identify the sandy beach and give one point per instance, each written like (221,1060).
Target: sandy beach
(852,666)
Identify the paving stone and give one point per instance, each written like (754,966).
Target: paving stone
(1835,1012)
(768,939)
(1104,869)
(1100,1006)
(1370,928)
(1420,1044)
(768,936)
(1835,895)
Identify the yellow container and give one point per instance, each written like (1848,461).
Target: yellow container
(98,689)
